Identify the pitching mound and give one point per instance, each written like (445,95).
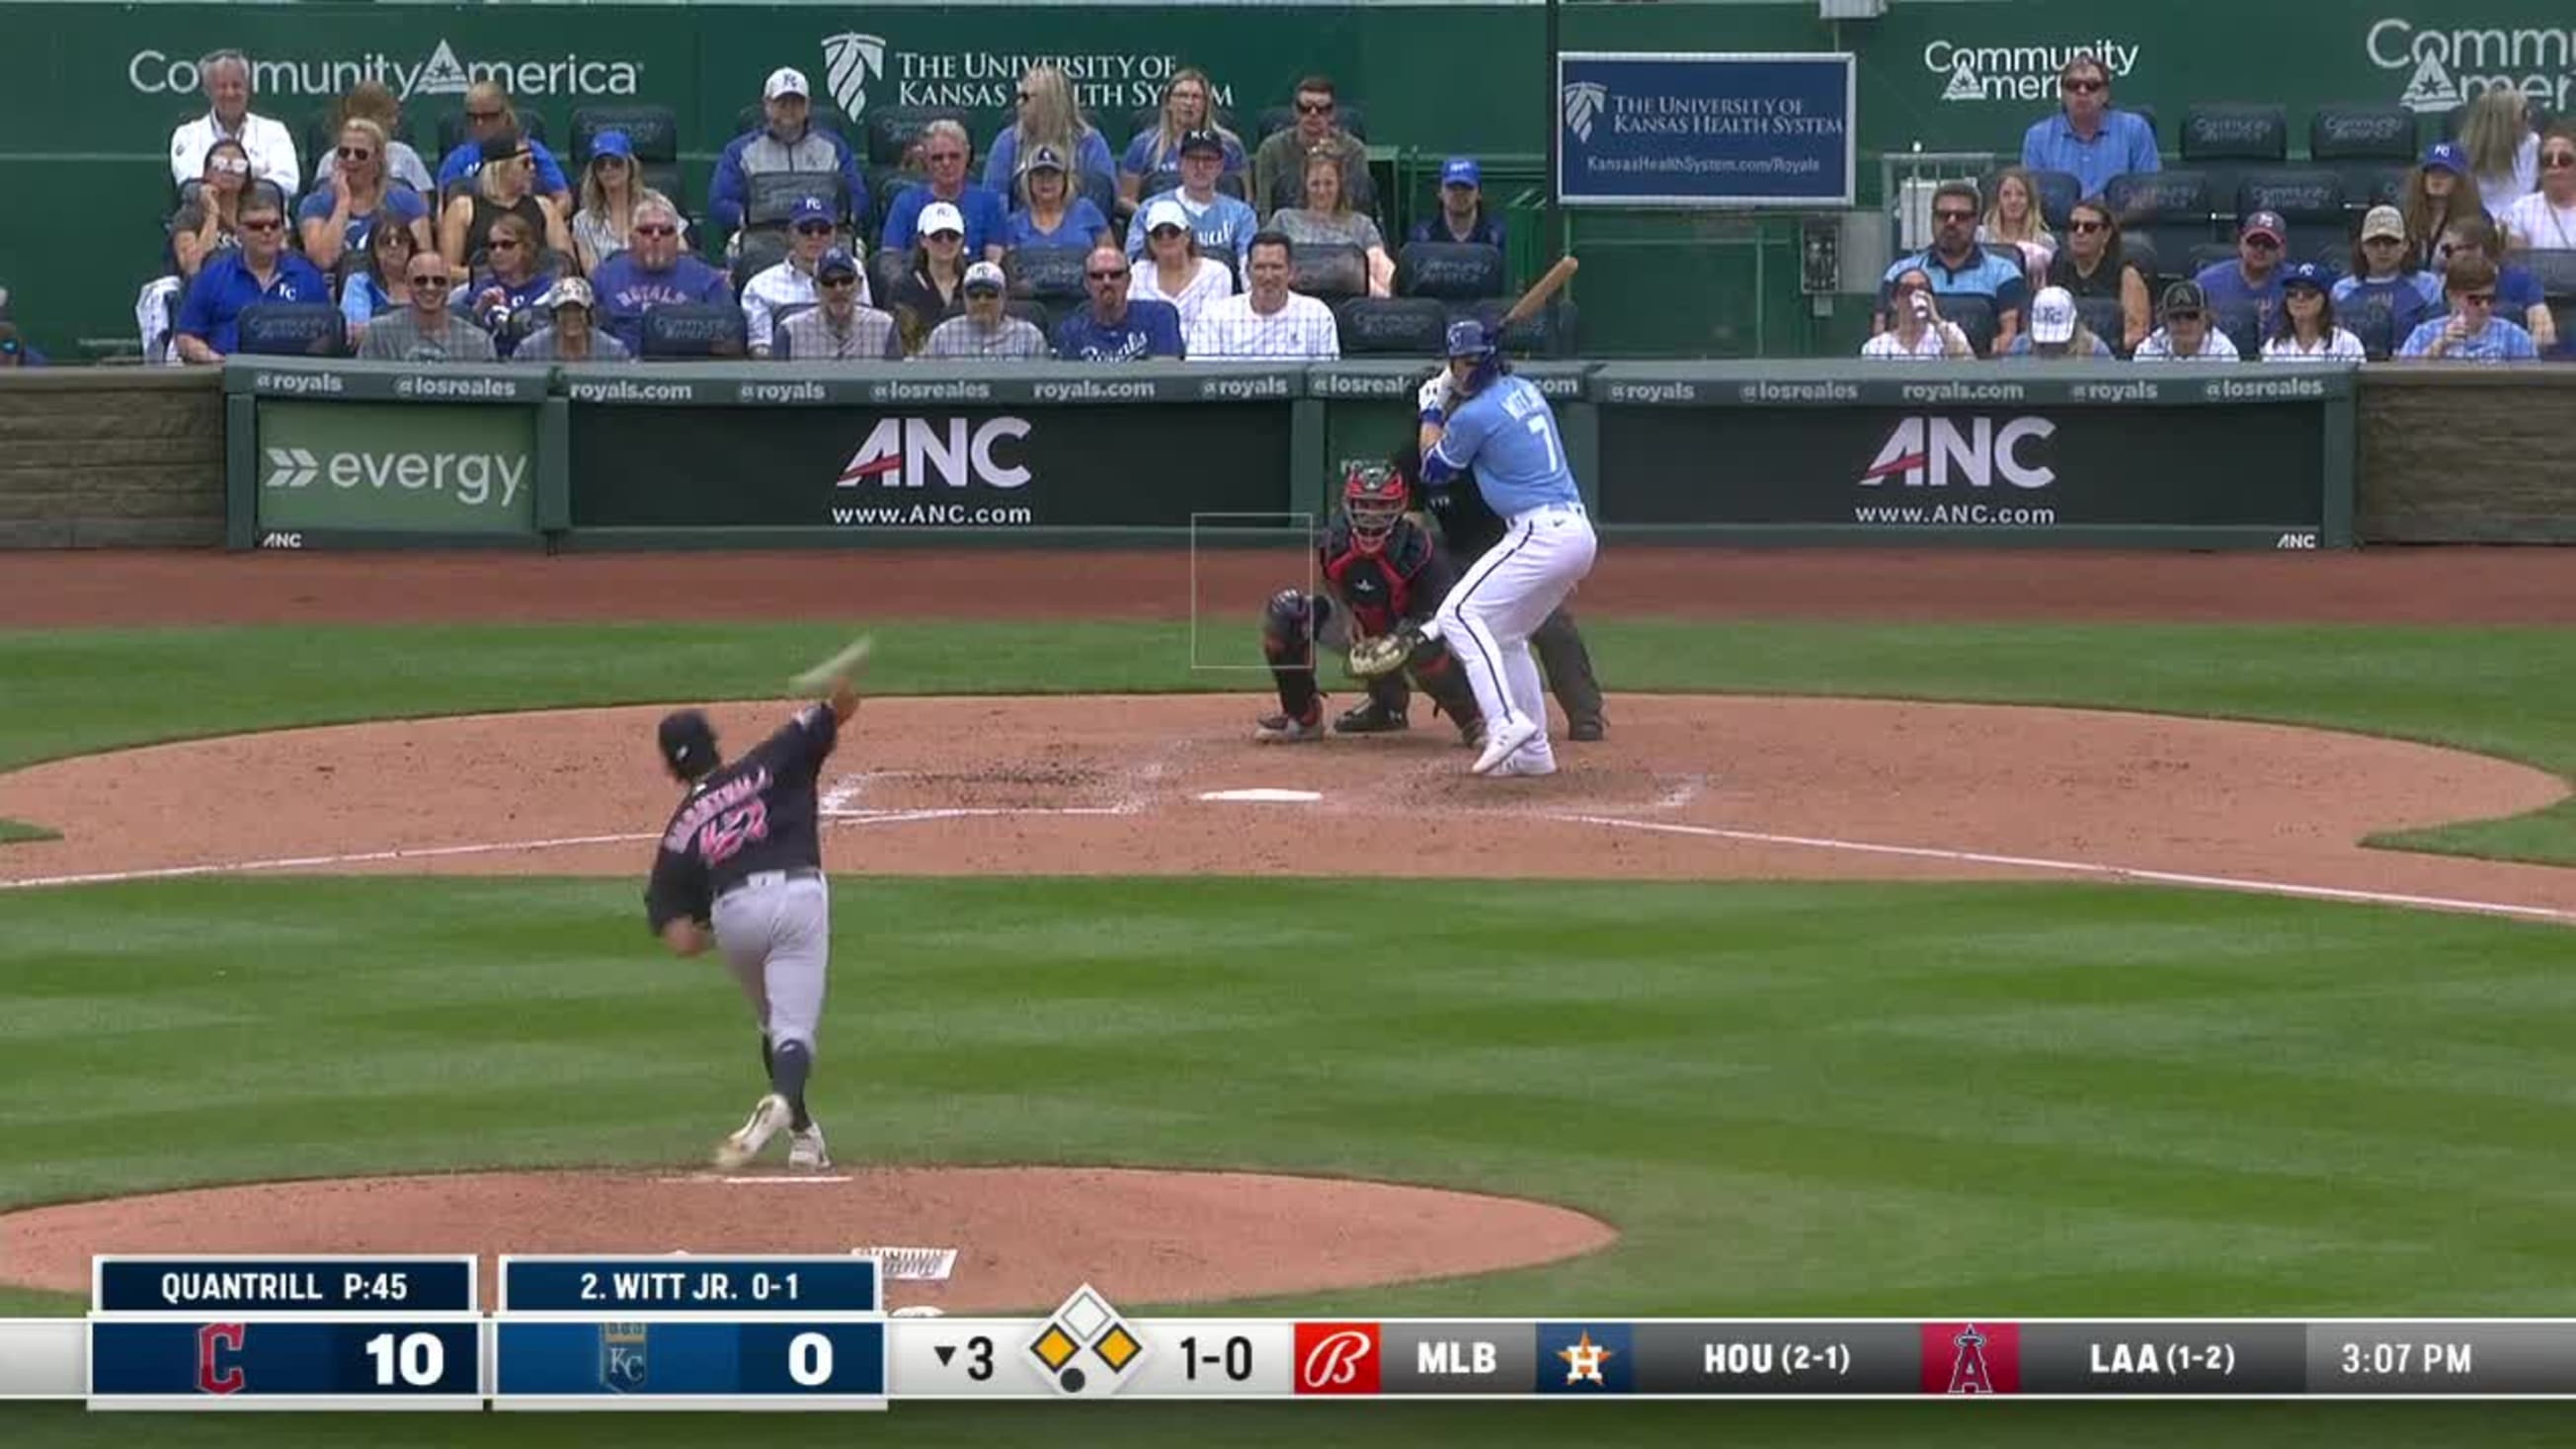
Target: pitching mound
(1023,1235)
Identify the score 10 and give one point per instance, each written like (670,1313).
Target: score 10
(825,1361)
(309,1361)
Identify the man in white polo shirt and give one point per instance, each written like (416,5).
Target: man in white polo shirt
(226,78)
(1268,320)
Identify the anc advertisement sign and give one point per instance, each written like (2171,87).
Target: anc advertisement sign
(389,468)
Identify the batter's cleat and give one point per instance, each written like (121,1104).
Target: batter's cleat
(1525,765)
(1279,729)
(1588,730)
(806,1152)
(1503,741)
(1369,717)
(768,1117)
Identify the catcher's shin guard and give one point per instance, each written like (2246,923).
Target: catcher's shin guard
(1438,673)
(1288,642)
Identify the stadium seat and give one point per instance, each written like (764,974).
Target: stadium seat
(1330,271)
(1232,184)
(886,186)
(2564,314)
(2171,211)
(1289,191)
(664,177)
(1275,119)
(1397,326)
(2206,254)
(1036,314)
(2003,251)
(1451,271)
(2555,270)
(1169,178)
(2310,199)
(892,128)
(822,117)
(1549,332)
(292,329)
(759,249)
(2139,247)
(770,197)
(1103,191)
(887,267)
(778,319)
(452,133)
(2223,139)
(2058,193)
(1975,316)
(2102,315)
(693,331)
(654,131)
(2244,327)
(2361,133)
(1047,274)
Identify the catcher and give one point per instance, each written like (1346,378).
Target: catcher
(1383,578)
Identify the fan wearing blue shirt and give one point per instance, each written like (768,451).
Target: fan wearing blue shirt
(653,272)
(2253,280)
(2473,332)
(262,270)
(988,220)
(488,113)
(1958,267)
(1049,215)
(1115,328)
(1463,218)
(1223,225)
(2086,137)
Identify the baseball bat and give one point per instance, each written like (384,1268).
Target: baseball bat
(1541,290)
(822,675)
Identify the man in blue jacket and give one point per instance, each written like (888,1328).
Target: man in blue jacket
(788,143)
(1115,328)
(261,270)
(488,113)
(653,272)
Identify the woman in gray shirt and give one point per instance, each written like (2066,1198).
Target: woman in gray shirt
(1327,220)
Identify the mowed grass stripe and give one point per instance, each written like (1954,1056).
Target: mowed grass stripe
(1789,1098)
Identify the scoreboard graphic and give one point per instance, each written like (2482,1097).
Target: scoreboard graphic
(812,1333)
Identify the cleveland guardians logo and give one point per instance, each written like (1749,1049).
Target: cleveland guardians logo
(218,1345)
(1337,1358)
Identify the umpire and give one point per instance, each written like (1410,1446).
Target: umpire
(1468,529)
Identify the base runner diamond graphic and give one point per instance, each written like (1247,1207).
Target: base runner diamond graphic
(1087,1349)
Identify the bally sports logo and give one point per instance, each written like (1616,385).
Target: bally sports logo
(1337,1358)
(902,452)
(1934,452)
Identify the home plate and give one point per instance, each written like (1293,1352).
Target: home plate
(1265,797)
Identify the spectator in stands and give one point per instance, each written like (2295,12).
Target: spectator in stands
(1116,327)
(2473,332)
(503,297)
(610,191)
(370,100)
(2087,137)
(2057,331)
(2306,330)
(2254,278)
(1958,266)
(490,113)
(262,269)
(1914,328)
(2437,194)
(944,153)
(787,142)
(1172,269)
(506,185)
(356,196)
(790,283)
(653,272)
(1462,217)
(1282,158)
(2545,220)
(381,282)
(1268,321)
(933,288)
(14,351)
(2015,221)
(1327,220)
(1188,105)
(428,330)
(269,145)
(986,332)
(2503,154)
(2093,263)
(2519,295)
(1047,115)
(1223,225)
(1049,214)
(2384,275)
(840,328)
(570,335)
(2190,333)
(209,221)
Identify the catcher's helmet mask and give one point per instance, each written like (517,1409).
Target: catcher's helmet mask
(1374,498)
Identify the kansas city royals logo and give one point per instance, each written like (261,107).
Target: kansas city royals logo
(1583,100)
(622,1357)
(849,60)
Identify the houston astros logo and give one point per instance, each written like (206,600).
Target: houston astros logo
(1583,101)
(1583,1360)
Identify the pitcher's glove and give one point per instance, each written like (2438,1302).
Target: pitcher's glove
(1386,653)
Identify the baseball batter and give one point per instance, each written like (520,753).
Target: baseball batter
(741,867)
(1476,416)
(1381,571)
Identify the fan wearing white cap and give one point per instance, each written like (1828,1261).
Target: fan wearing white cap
(788,142)
(933,286)
(987,332)
(570,334)
(1172,270)
(944,154)
(2057,330)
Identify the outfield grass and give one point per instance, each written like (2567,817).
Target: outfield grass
(2017,1100)
(2506,692)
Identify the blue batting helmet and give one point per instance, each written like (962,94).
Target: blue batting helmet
(1469,337)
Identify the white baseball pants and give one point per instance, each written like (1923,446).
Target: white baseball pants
(1502,599)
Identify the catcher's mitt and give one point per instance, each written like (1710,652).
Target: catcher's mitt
(1386,653)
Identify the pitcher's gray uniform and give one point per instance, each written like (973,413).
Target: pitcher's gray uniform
(741,853)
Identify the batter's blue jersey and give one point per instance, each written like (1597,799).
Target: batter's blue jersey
(1507,433)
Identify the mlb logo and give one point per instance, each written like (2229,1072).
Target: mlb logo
(623,1357)
(1972,1358)
(1338,1358)
(1586,1358)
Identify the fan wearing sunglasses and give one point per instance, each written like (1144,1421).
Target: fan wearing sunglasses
(358,195)
(2093,263)
(2473,332)
(2087,136)
(1279,163)
(790,282)
(2545,220)
(1957,266)
(2190,333)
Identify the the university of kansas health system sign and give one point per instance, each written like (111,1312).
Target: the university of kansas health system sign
(1636,129)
